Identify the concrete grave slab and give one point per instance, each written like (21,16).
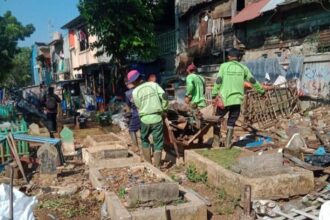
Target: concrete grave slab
(103,140)
(162,192)
(93,162)
(193,209)
(293,181)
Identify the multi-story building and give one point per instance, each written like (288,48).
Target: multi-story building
(41,64)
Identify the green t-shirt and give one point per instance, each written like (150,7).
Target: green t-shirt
(151,102)
(196,89)
(230,83)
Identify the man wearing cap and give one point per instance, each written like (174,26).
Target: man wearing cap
(151,102)
(132,114)
(229,87)
(195,88)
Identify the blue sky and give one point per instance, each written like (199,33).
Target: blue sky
(47,16)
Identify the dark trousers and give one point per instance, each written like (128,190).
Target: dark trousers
(157,132)
(52,117)
(234,111)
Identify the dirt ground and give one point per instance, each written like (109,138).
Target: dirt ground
(80,202)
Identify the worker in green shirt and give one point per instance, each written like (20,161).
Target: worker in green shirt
(229,87)
(195,88)
(151,102)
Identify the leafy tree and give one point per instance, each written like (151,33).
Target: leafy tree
(20,74)
(11,31)
(125,28)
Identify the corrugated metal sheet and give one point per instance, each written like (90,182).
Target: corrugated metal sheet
(272,4)
(250,12)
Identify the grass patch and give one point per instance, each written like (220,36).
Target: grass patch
(224,157)
(194,176)
(122,192)
(226,203)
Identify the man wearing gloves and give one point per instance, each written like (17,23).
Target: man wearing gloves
(229,87)
(195,88)
(151,102)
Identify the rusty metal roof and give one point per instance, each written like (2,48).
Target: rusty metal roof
(249,12)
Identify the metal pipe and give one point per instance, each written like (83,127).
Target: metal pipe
(11,202)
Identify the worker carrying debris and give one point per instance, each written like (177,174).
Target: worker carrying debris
(195,88)
(229,89)
(132,113)
(151,102)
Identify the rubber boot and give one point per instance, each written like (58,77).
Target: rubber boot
(157,158)
(216,141)
(135,147)
(146,154)
(229,137)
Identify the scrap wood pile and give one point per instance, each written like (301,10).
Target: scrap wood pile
(279,101)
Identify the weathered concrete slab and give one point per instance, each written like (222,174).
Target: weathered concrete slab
(162,192)
(267,164)
(104,140)
(193,209)
(115,209)
(110,151)
(91,161)
(150,214)
(295,181)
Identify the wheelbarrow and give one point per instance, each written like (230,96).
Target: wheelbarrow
(182,131)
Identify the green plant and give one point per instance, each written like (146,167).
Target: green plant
(194,176)
(225,203)
(122,192)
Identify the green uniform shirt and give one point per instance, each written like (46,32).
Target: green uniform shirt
(150,101)
(196,89)
(230,83)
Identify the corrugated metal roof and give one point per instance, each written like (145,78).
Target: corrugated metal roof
(272,4)
(250,12)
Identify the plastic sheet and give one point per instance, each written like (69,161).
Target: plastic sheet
(23,205)
(325,211)
(119,119)
(259,68)
(295,67)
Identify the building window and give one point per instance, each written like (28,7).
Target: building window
(240,5)
(83,39)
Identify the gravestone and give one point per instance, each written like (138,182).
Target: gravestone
(48,159)
(67,141)
(34,129)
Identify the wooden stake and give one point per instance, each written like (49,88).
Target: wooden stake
(12,147)
(247,200)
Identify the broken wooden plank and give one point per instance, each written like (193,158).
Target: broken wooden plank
(305,214)
(13,149)
(301,163)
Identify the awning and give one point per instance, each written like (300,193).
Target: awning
(272,4)
(249,12)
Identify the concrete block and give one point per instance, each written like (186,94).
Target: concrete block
(34,129)
(162,192)
(150,214)
(193,209)
(294,181)
(93,162)
(115,209)
(109,151)
(96,178)
(68,148)
(261,163)
(104,140)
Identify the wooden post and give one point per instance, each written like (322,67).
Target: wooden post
(247,200)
